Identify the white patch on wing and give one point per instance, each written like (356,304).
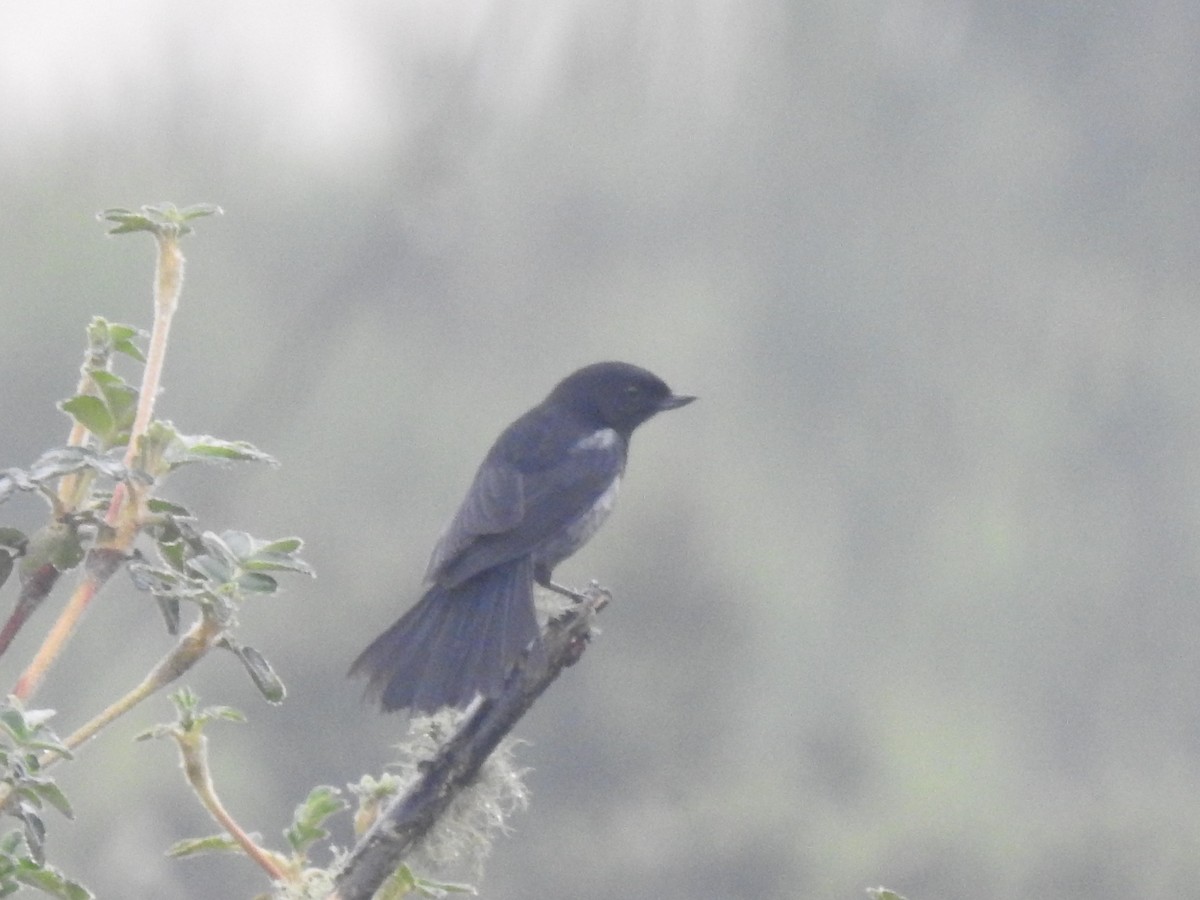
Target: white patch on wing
(597,440)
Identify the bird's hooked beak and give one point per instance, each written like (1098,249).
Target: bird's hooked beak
(674,401)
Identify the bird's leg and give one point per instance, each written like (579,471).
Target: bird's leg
(541,574)
(596,594)
(565,591)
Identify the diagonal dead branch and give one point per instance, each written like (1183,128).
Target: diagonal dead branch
(411,815)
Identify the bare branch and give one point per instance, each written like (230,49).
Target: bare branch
(411,815)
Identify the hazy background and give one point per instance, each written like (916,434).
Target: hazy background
(909,597)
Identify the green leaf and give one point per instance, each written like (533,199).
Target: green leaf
(191,717)
(120,338)
(92,413)
(54,464)
(50,881)
(57,544)
(49,743)
(104,338)
(13,541)
(153,448)
(65,460)
(120,398)
(268,683)
(267,556)
(228,713)
(212,569)
(307,821)
(165,507)
(277,562)
(153,580)
(283,545)
(403,882)
(398,884)
(218,547)
(50,793)
(12,545)
(430,888)
(186,702)
(257,583)
(238,544)
(199,210)
(169,607)
(126,221)
(161,219)
(882,893)
(28,733)
(174,553)
(119,332)
(35,832)
(216,843)
(130,349)
(206,449)
(247,560)
(13,722)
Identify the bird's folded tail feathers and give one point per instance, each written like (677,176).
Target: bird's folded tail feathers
(455,643)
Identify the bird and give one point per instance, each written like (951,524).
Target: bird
(543,489)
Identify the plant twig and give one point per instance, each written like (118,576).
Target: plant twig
(189,650)
(185,654)
(124,511)
(410,816)
(193,747)
(100,565)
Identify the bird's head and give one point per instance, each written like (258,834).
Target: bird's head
(617,395)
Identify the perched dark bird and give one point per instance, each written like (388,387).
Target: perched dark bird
(543,489)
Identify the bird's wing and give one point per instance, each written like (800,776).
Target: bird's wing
(494,504)
(511,509)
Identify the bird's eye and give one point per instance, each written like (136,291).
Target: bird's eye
(632,390)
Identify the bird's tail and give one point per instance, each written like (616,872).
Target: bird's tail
(455,643)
